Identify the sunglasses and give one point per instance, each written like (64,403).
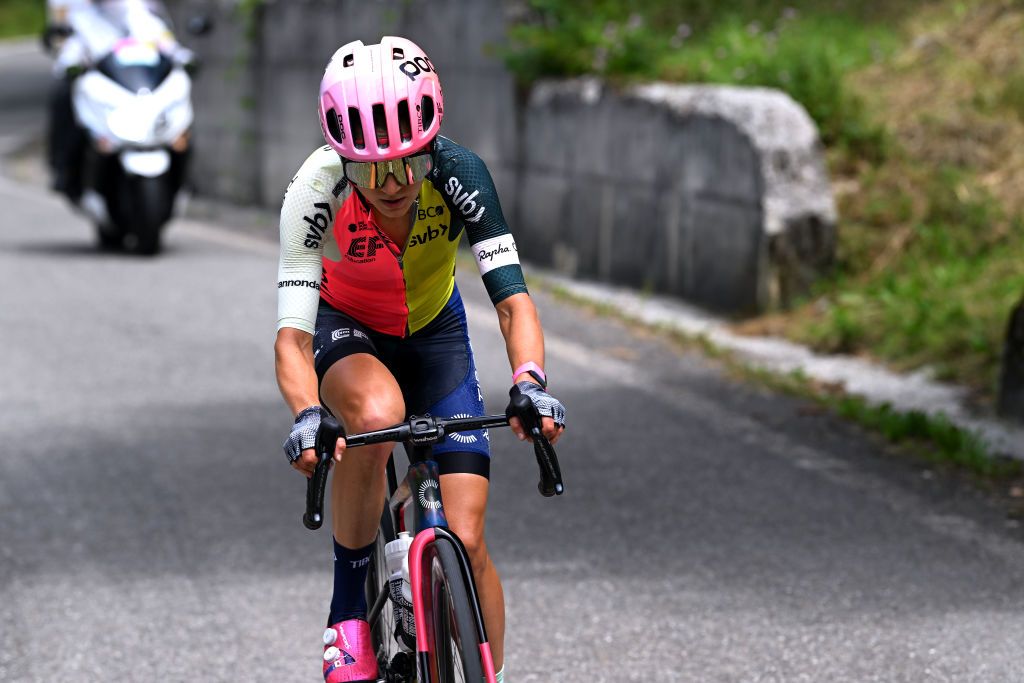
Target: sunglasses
(373,174)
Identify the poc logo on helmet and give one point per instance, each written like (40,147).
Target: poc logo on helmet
(414,67)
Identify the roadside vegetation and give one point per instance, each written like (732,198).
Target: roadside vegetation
(22,18)
(921,108)
(931,442)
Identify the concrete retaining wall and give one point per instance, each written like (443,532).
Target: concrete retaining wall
(256,93)
(718,195)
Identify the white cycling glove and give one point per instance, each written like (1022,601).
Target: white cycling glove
(304,431)
(544,403)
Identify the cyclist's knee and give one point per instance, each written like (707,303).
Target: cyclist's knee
(374,416)
(476,548)
(366,397)
(367,413)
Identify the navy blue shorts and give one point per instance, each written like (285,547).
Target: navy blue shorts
(434,368)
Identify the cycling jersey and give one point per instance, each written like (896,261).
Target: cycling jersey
(332,249)
(433,366)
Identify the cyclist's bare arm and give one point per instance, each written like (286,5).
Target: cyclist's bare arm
(524,341)
(293,362)
(293,356)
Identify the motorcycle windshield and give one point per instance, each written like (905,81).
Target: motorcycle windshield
(133,73)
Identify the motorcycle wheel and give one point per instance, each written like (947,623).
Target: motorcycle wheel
(109,238)
(149,202)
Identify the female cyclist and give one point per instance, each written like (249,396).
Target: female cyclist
(370,322)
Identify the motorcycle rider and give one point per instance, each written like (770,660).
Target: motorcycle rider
(81,32)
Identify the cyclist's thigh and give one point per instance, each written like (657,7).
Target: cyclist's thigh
(438,377)
(355,384)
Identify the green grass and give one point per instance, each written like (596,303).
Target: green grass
(22,18)
(1012,96)
(930,438)
(942,303)
(933,438)
(806,57)
(793,46)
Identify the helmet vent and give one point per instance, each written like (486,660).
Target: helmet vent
(334,126)
(404,122)
(427,111)
(355,124)
(380,126)
(397,53)
(348,60)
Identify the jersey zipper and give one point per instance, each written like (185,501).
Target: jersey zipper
(401,260)
(400,256)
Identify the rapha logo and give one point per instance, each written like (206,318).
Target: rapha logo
(430,494)
(318,224)
(463,200)
(498,250)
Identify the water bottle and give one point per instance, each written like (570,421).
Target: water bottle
(396,557)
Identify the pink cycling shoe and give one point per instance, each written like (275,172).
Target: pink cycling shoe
(348,653)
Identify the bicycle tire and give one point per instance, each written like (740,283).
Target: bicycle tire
(454,643)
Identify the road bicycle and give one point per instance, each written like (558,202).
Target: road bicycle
(450,640)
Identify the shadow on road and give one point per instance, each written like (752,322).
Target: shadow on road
(86,249)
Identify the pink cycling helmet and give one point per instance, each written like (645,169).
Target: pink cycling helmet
(380,102)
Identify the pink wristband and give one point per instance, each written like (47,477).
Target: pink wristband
(527,367)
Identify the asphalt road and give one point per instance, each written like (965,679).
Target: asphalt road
(150,528)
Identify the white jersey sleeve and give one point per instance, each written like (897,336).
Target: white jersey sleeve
(307,222)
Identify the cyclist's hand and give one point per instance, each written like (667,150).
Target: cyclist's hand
(547,407)
(300,446)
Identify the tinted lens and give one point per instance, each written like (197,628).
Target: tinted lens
(419,166)
(359,172)
(374,174)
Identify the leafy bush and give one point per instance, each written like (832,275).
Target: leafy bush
(697,41)
(21,18)
(806,57)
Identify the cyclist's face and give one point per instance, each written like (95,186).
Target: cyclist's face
(392,200)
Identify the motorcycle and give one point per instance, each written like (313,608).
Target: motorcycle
(135,106)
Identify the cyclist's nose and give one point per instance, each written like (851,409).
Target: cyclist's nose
(391,185)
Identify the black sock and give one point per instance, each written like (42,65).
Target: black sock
(350,567)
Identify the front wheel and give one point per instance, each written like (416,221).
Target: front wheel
(454,639)
(148,203)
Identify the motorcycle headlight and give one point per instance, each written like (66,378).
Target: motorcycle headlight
(130,124)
